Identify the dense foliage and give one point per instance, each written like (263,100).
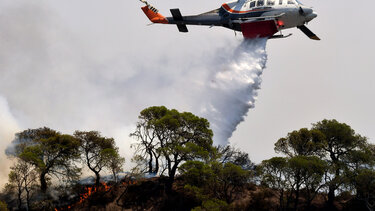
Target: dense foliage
(167,138)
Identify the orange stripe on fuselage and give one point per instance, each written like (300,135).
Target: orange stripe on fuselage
(227,8)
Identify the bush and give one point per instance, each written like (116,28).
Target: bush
(212,205)
(3,206)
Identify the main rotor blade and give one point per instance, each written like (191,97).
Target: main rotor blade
(308,33)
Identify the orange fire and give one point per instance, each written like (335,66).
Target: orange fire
(88,192)
(129,182)
(91,190)
(106,187)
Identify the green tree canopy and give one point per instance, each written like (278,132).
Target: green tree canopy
(114,162)
(303,142)
(336,147)
(214,180)
(176,137)
(22,181)
(342,147)
(273,174)
(98,152)
(229,154)
(52,154)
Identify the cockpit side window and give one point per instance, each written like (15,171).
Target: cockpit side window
(270,2)
(291,2)
(260,3)
(252,4)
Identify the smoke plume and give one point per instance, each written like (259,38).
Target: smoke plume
(62,77)
(8,126)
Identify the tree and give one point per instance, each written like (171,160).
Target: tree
(214,180)
(3,206)
(365,187)
(51,153)
(303,142)
(97,151)
(312,172)
(114,162)
(273,174)
(305,172)
(176,137)
(231,179)
(145,133)
(340,144)
(22,178)
(27,138)
(229,154)
(301,146)
(292,175)
(16,182)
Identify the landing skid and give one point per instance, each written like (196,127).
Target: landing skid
(280,36)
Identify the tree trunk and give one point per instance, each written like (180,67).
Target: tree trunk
(298,180)
(43,182)
(309,200)
(19,199)
(156,170)
(171,174)
(332,187)
(97,179)
(296,199)
(27,197)
(289,199)
(150,169)
(281,199)
(331,197)
(114,176)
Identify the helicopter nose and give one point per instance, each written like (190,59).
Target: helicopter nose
(311,16)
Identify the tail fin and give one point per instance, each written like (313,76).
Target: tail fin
(154,15)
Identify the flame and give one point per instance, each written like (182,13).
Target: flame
(106,187)
(88,191)
(129,182)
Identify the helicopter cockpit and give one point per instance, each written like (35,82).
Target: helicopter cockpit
(267,3)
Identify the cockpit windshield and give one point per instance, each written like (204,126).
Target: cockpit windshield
(291,2)
(299,2)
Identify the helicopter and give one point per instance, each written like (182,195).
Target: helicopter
(254,18)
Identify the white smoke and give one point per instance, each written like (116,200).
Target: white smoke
(8,127)
(53,77)
(233,88)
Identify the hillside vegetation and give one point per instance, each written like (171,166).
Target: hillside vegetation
(177,167)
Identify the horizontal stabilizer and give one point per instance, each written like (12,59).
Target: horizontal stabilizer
(176,14)
(182,28)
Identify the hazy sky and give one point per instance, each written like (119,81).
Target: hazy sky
(94,65)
